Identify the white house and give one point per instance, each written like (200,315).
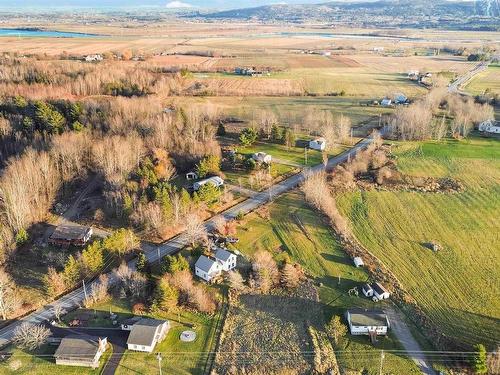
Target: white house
(207,268)
(367,290)
(80,350)
(146,333)
(489,126)
(366,322)
(262,157)
(379,292)
(386,102)
(226,259)
(358,262)
(216,180)
(318,144)
(95,57)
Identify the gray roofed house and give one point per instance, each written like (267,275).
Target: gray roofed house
(379,291)
(80,350)
(207,268)
(226,259)
(70,234)
(146,333)
(365,322)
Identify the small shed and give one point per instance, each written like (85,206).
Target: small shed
(358,262)
(80,350)
(191,176)
(318,144)
(386,102)
(367,290)
(380,292)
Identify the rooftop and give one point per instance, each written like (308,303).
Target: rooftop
(143,332)
(78,347)
(70,232)
(204,263)
(361,317)
(379,288)
(223,255)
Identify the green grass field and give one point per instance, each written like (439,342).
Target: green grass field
(489,79)
(298,230)
(458,286)
(242,177)
(295,155)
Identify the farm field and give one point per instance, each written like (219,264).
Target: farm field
(456,287)
(487,80)
(243,178)
(297,230)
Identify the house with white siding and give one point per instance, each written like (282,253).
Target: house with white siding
(367,322)
(226,259)
(207,268)
(146,333)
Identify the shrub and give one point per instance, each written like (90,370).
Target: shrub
(22,236)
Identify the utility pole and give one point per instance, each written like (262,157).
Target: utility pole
(158,355)
(381,361)
(84,290)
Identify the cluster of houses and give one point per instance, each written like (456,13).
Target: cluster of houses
(399,99)
(422,78)
(86,350)
(489,126)
(209,268)
(251,72)
(92,58)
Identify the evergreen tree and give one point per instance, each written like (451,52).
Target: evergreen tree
(479,359)
(173,264)
(209,193)
(71,272)
(221,130)
(142,264)
(93,258)
(209,164)
(165,296)
(248,136)
(276,134)
(121,241)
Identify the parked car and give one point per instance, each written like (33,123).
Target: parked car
(232,239)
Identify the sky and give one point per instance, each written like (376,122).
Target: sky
(217,4)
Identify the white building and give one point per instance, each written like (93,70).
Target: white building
(216,180)
(146,333)
(367,290)
(96,57)
(379,292)
(207,268)
(358,262)
(489,126)
(226,259)
(366,322)
(191,176)
(318,144)
(386,102)
(262,157)
(80,350)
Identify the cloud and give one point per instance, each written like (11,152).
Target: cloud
(178,4)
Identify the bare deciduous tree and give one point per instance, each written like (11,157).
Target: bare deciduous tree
(195,229)
(30,336)
(290,276)
(236,281)
(9,301)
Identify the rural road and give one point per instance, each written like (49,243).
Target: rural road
(75,298)
(455,86)
(403,334)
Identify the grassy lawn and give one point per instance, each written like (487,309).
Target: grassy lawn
(298,230)
(42,362)
(489,79)
(242,177)
(456,287)
(294,155)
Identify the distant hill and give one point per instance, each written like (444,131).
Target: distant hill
(482,14)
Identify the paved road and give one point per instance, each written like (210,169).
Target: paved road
(75,298)
(455,86)
(403,334)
